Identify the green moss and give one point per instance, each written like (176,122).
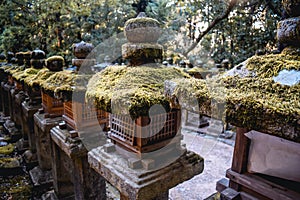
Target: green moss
(254,103)
(131,90)
(7,68)
(21,75)
(65,83)
(17,187)
(53,58)
(141,22)
(8,149)
(39,78)
(267,66)
(9,162)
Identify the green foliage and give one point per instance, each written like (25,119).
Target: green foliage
(54,26)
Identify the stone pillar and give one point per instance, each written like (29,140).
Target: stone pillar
(68,151)
(71,171)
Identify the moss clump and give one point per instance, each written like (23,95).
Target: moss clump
(16,187)
(15,69)
(267,66)
(65,83)
(140,22)
(9,162)
(54,58)
(131,90)
(8,149)
(39,78)
(254,103)
(21,75)
(6,68)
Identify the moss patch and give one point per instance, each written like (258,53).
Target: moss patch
(131,90)
(256,103)
(64,83)
(37,79)
(17,187)
(9,162)
(21,75)
(267,66)
(8,149)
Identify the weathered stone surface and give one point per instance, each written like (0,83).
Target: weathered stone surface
(141,184)
(142,29)
(42,127)
(288,31)
(38,54)
(82,49)
(141,53)
(55,63)
(72,173)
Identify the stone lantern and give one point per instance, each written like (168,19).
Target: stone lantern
(142,156)
(80,122)
(266,159)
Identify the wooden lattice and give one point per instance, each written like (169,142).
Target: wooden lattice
(52,105)
(143,135)
(81,115)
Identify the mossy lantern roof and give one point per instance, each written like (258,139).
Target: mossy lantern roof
(64,84)
(130,90)
(253,100)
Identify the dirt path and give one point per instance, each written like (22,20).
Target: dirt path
(217,159)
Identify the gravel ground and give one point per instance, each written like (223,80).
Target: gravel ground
(217,159)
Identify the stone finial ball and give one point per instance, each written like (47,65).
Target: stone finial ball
(288,31)
(55,63)
(2,56)
(10,55)
(38,54)
(142,29)
(20,58)
(82,49)
(37,59)
(292,7)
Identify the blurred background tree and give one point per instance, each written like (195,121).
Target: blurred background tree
(202,29)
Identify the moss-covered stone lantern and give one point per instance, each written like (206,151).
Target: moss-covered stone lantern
(78,119)
(145,130)
(261,98)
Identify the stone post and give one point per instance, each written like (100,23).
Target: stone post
(72,174)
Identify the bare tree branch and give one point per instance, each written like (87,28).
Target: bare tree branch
(230,7)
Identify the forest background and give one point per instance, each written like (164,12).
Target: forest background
(210,30)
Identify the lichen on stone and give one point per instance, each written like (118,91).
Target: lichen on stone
(131,90)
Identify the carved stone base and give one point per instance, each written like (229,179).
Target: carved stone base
(143,183)
(42,127)
(42,180)
(71,171)
(28,111)
(22,145)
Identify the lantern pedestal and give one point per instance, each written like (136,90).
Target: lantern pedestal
(72,174)
(143,179)
(41,175)
(29,109)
